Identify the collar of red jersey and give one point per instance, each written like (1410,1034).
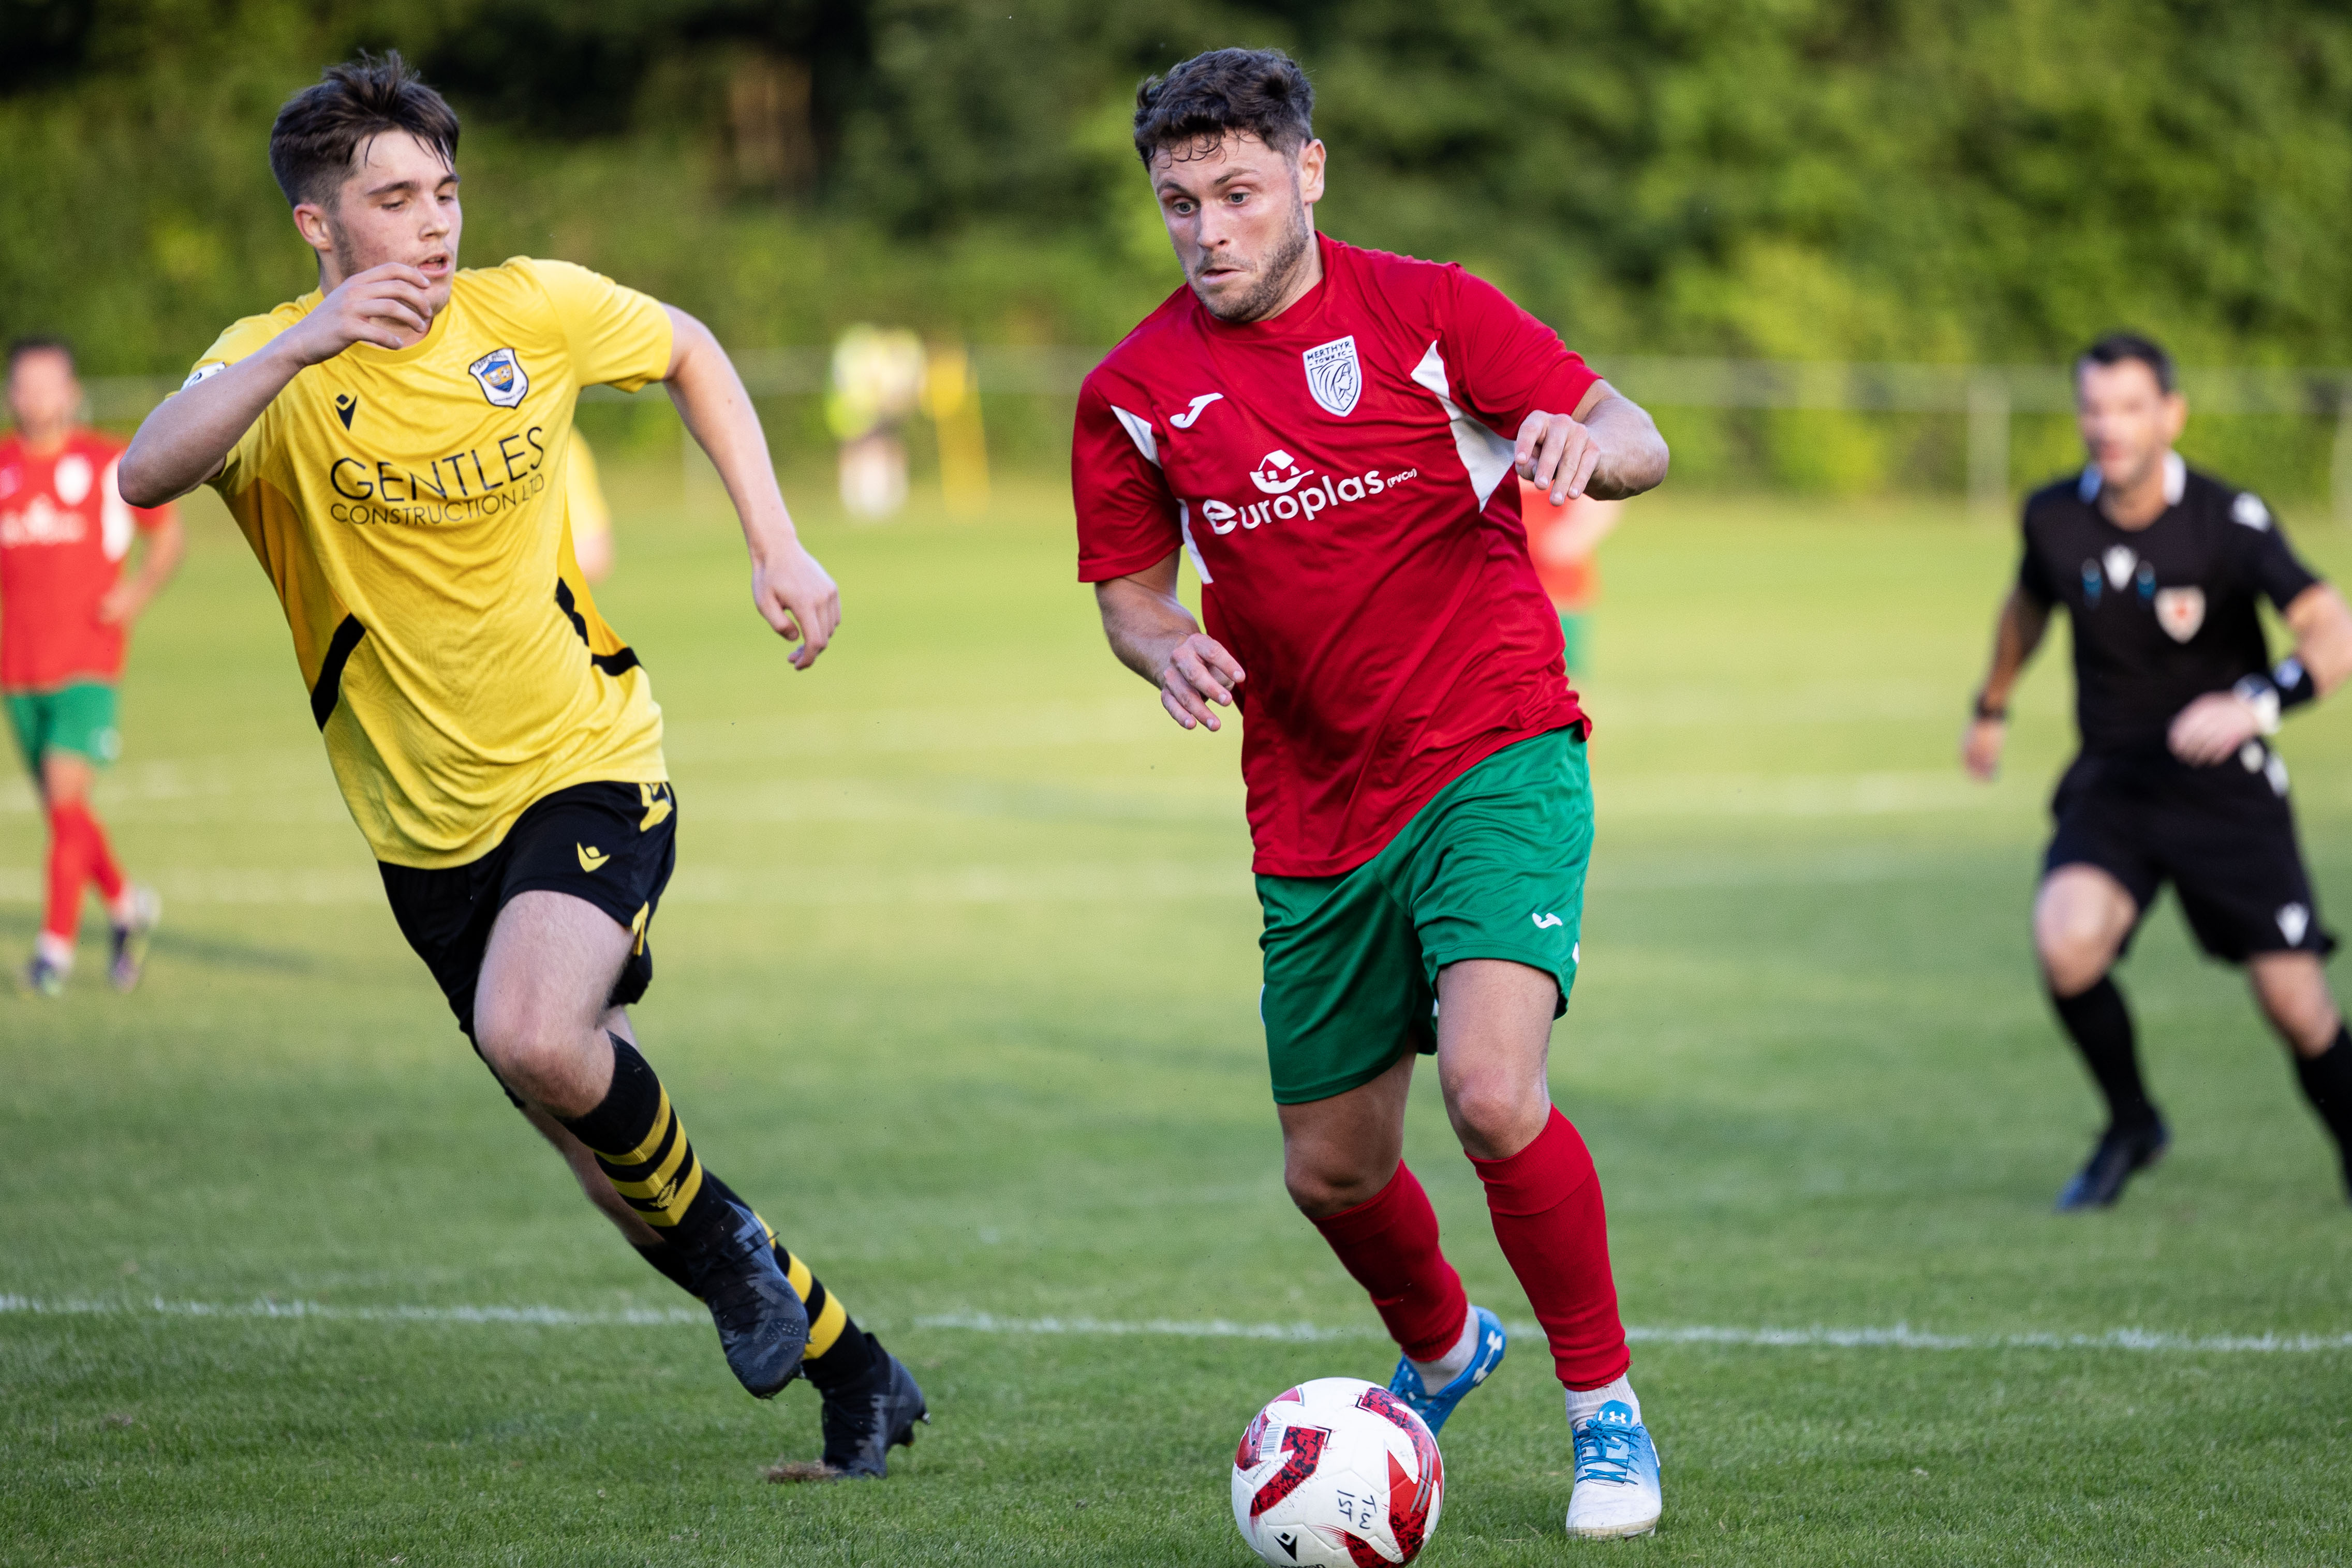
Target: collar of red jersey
(2176,480)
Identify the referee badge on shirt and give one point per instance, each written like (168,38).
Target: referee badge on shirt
(2180,611)
(1334,377)
(502,378)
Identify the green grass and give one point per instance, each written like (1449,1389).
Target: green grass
(958,980)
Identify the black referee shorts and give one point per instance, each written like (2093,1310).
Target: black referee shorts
(613,845)
(2223,837)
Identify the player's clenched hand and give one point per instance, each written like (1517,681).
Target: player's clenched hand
(1199,671)
(2212,728)
(797,597)
(386,306)
(1557,452)
(1981,746)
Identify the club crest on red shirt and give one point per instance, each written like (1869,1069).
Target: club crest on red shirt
(1334,377)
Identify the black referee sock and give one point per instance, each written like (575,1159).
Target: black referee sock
(2327,1084)
(2101,1027)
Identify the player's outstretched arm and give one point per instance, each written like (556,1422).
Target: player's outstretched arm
(792,594)
(1608,449)
(1155,636)
(187,440)
(2212,728)
(2016,634)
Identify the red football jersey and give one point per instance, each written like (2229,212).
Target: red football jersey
(64,531)
(1339,477)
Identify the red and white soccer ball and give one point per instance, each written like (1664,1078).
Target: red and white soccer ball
(1337,1473)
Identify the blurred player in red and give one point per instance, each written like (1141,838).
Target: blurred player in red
(66,610)
(1562,542)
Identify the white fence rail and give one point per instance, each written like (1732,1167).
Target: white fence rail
(1988,395)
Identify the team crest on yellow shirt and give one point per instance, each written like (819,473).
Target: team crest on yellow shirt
(502,378)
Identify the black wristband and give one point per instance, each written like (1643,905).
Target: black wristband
(2294,684)
(1987,711)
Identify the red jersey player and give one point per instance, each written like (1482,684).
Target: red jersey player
(1329,433)
(66,611)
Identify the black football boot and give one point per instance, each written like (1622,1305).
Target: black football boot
(863,1422)
(2121,1152)
(762,1327)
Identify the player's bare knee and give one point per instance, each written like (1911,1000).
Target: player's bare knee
(531,1051)
(1325,1186)
(1496,1117)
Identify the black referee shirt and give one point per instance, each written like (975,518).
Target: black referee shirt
(2164,613)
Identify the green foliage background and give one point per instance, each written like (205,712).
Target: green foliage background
(1952,180)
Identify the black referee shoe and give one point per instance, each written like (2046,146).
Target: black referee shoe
(762,1327)
(864,1424)
(2122,1150)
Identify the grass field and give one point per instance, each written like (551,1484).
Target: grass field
(958,980)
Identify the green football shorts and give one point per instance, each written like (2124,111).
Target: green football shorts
(1493,867)
(78,718)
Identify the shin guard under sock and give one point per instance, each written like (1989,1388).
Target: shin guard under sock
(2327,1081)
(1548,1217)
(1388,1243)
(2101,1027)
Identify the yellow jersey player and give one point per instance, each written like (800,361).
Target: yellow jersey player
(393,446)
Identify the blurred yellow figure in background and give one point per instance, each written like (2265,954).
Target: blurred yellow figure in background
(951,398)
(592,520)
(1562,541)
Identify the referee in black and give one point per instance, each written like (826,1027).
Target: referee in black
(2175,697)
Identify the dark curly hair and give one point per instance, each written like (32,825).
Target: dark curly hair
(1260,91)
(311,144)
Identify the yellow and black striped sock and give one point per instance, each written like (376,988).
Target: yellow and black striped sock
(638,1138)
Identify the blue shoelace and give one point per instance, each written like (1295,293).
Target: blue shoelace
(1607,1452)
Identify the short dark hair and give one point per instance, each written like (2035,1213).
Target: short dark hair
(1260,91)
(39,345)
(311,145)
(2117,347)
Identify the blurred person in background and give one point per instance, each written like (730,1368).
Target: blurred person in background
(2161,569)
(66,613)
(877,383)
(1564,541)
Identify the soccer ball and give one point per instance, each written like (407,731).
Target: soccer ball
(1337,1473)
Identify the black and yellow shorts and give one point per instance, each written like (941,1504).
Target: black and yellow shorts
(613,845)
(1493,867)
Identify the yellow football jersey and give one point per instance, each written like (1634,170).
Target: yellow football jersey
(410,509)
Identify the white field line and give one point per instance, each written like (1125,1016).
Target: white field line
(1900,1336)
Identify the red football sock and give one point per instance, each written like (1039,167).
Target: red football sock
(1390,1244)
(69,870)
(1545,1201)
(102,869)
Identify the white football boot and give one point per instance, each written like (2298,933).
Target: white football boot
(1616,1492)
